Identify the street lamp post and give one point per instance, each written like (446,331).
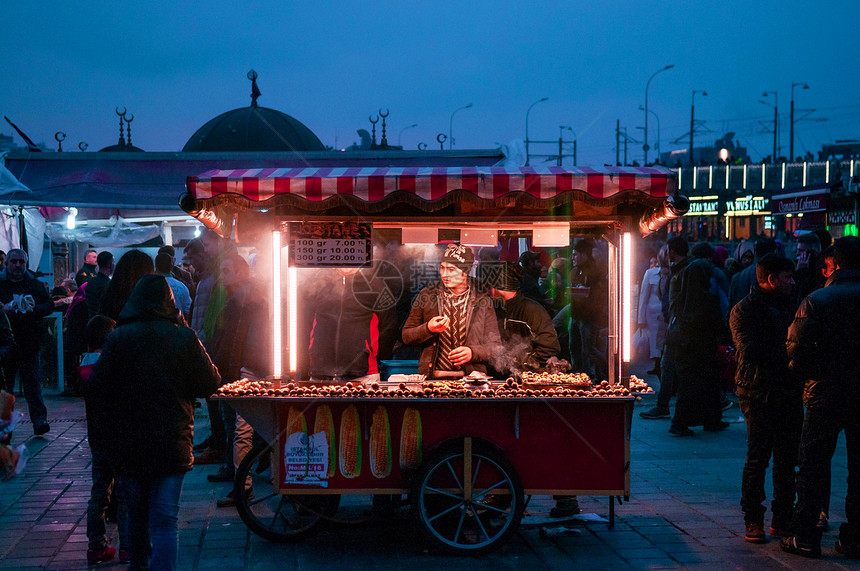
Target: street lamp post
(401,132)
(645,146)
(775,120)
(451,126)
(541,100)
(657,146)
(791,121)
(693,120)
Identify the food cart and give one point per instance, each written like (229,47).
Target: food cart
(468,452)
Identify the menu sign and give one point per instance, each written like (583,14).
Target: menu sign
(330,244)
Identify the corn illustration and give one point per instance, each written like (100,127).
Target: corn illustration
(350,443)
(410,440)
(296,421)
(324,422)
(380,444)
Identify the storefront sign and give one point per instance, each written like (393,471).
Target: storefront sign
(703,206)
(330,244)
(747,206)
(842,216)
(798,202)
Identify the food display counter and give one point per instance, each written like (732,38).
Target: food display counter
(466,451)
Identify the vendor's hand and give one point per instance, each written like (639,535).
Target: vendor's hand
(460,356)
(438,324)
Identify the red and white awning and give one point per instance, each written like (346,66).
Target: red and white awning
(372,184)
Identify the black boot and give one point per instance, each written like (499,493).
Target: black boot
(656,369)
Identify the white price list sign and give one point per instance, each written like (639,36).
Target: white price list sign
(311,252)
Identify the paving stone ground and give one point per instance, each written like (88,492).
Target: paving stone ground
(683,513)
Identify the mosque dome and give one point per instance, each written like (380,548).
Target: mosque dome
(253,128)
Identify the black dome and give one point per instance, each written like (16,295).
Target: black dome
(253,129)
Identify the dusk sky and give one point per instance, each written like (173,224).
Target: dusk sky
(174,65)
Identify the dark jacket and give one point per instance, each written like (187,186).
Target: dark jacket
(85,274)
(759,324)
(140,397)
(824,341)
(244,339)
(528,327)
(588,305)
(741,284)
(27,327)
(347,323)
(96,287)
(482,336)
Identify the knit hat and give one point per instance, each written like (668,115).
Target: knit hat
(509,277)
(459,256)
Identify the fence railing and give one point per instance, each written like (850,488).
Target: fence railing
(767,177)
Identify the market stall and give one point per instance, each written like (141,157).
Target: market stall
(466,450)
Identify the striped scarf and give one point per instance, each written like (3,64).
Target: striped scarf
(453,307)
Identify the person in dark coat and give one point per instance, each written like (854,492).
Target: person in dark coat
(769,395)
(527,331)
(26,301)
(824,350)
(129,269)
(588,311)
(347,323)
(743,280)
(694,331)
(88,270)
(98,284)
(453,322)
(140,413)
(809,265)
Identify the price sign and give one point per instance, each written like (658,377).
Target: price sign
(330,244)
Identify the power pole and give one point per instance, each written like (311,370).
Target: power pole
(618,142)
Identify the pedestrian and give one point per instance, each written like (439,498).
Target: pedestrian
(97,285)
(694,331)
(103,477)
(88,270)
(164,267)
(588,313)
(809,266)
(26,301)
(678,250)
(142,388)
(824,350)
(242,343)
(743,280)
(133,265)
(769,395)
(650,315)
(177,271)
(453,322)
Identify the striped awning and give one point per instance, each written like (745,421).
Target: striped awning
(430,183)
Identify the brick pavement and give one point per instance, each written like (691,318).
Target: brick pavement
(683,513)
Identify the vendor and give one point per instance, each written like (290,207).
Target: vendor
(527,331)
(453,321)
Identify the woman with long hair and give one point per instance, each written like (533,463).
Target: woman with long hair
(133,265)
(654,284)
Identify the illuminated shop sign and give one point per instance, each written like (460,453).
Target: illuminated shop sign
(747,206)
(813,201)
(703,205)
(842,216)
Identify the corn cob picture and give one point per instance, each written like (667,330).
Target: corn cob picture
(296,421)
(411,452)
(380,444)
(350,443)
(324,422)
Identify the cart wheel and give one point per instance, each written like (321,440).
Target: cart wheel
(278,517)
(467,498)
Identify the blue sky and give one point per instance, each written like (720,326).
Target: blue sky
(175,65)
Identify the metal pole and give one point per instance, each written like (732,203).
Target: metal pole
(527,125)
(617,142)
(791,121)
(451,126)
(645,146)
(401,133)
(693,121)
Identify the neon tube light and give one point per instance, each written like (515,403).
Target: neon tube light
(276,305)
(293,333)
(626,296)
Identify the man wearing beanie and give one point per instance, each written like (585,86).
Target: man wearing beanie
(452,321)
(527,331)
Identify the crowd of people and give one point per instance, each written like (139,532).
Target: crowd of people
(791,325)
(150,338)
